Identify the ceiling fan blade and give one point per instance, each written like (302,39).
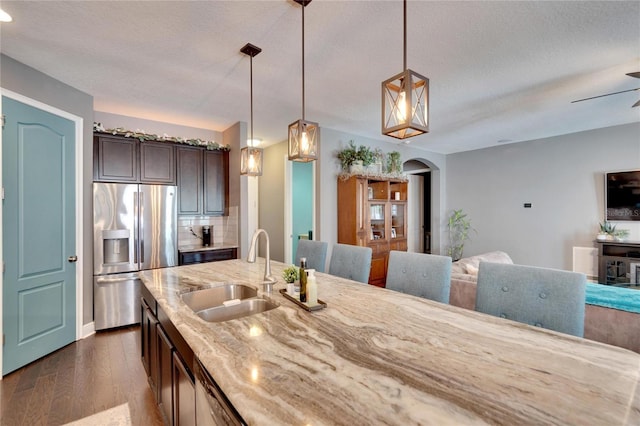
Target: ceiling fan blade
(636,104)
(608,94)
(634,74)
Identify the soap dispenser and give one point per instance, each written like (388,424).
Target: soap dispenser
(312,288)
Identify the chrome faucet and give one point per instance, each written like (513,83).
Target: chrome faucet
(269,279)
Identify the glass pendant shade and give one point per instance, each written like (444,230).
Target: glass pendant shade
(405,105)
(251,161)
(303,141)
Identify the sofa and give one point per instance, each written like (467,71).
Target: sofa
(602,322)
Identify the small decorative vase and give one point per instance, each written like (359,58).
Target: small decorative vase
(356,167)
(601,237)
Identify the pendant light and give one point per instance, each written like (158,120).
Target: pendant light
(303,135)
(251,156)
(405,100)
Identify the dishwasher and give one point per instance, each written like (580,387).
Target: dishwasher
(212,407)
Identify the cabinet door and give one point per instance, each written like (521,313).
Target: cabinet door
(189,258)
(184,394)
(216,188)
(157,163)
(115,159)
(189,167)
(149,346)
(165,370)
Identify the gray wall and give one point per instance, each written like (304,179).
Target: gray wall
(271,199)
(562,177)
(237,184)
(327,171)
(26,81)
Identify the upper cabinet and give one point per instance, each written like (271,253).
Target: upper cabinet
(203,184)
(157,163)
(115,159)
(216,184)
(121,159)
(202,175)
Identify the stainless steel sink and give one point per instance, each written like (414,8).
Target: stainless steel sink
(216,296)
(226,302)
(244,308)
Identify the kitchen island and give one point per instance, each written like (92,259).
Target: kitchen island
(375,356)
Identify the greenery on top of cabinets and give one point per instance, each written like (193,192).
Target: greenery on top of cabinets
(142,136)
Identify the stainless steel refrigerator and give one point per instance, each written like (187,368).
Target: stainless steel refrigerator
(135,228)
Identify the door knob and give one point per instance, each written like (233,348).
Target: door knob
(72,259)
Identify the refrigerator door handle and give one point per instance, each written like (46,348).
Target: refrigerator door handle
(135,228)
(114,280)
(141,226)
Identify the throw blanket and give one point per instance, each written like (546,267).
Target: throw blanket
(621,298)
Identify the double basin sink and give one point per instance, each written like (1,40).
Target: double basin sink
(226,302)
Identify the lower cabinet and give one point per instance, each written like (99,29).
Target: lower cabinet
(184,394)
(163,351)
(149,344)
(165,383)
(191,257)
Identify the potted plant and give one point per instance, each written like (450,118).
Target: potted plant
(394,163)
(366,155)
(459,227)
(607,231)
(353,159)
(378,161)
(621,234)
(290,274)
(347,156)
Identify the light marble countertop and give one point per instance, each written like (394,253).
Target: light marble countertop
(375,356)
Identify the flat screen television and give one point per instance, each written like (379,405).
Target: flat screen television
(622,195)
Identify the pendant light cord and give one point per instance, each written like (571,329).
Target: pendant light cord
(251,91)
(404,41)
(303,62)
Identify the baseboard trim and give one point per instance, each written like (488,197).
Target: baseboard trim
(88,330)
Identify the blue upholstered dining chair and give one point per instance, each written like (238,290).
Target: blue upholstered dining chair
(314,251)
(547,298)
(351,262)
(419,274)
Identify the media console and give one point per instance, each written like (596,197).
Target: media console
(619,263)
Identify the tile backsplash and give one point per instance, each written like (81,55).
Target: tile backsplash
(224,229)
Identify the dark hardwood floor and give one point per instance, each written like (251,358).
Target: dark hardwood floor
(81,379)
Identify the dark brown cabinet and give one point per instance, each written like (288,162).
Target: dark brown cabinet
(121,159)
(115,159)
(165,377)
(191,257)
(189,166)
(149,344)
(168,361)
(184,394)
(202,181)
(216,188)
(157,163)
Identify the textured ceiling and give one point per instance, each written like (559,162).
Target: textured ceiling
(498,71)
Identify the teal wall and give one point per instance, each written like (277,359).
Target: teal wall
(302,202)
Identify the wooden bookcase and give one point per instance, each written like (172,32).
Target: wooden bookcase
(373,213)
